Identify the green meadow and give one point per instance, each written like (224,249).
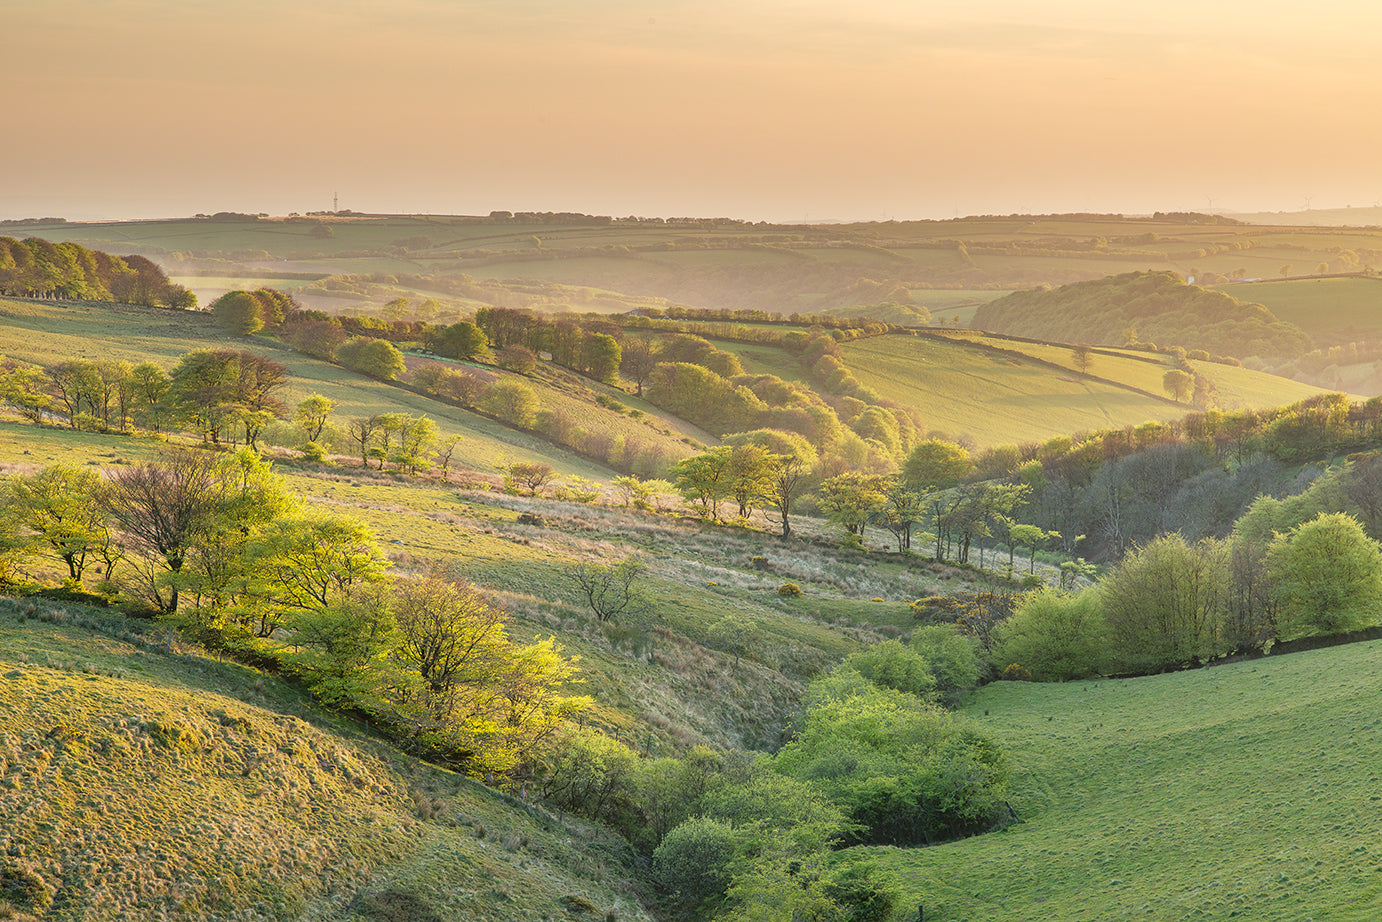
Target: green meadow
(1241,791)
(1334,309)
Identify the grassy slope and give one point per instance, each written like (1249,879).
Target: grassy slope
(964,390)
(50,332)
(138,784)
(1247,790)
(1322,307)
(991,398)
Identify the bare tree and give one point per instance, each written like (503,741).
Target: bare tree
(611,591)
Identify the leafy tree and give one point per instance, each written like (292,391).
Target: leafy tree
(58,507)
(460,340)
(935,464)
(312,414)
(75,385)
(1164,603)
(902,511)
(893,664)
(694,859)
(637,359)
(513,402)
(363,432)
(704,479)
(1053,635)
(532,476)
(611,592)
(1328,576)
(852,500)
(753,475)
(1082,356)
(908,773)
(1179,384)
(950,652)
(600,357)
(238,312)
(21,387)
(377,358)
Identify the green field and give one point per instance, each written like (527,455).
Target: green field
(1242,791)
(1330,309)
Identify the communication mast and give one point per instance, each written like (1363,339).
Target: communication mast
(335,203)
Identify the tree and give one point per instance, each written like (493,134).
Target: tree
(600,357)
(1179,384)
(935,464)
(852,500)
(694,859)
(21,387)
(753,473)
(312,414)
(58,507)
(238,312)
(460,340)
(453,638)
(362,431)
(637,359)
(1082,356)
(1055,636)
(530,475)
(513,402)
(902,510)
(611,592)
(1164,603)
(163,508)
(1328,576)
(75,385)
(377,358)
(1031,537)
(704,480)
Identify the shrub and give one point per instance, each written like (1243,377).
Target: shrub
(789,590)
(1055,635)
(892,664)
(693,859)
(313,452)
(952,657)
(1328,576)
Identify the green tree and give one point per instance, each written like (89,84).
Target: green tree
(694,859)
(852,500)
(312,415)
(377,358)
(935,464)
(611,592)
(1328,577)
(21,387)
(600,357)
(1164,603)
(531,476)
(1055,636)
(238,312)
(1179,384)
(704,480)
(460,340)
(58,507)
(513,402)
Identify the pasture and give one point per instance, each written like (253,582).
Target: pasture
(1241,791)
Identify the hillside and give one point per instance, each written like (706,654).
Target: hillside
(1156,307)
(1332,310)
(1001,391)
(344,262)
(1240,791)
(143,783)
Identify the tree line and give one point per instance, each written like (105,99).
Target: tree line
(36,268)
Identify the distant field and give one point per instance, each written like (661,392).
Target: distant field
(1321,307)
(1243,791)
(964,391)
(782,268)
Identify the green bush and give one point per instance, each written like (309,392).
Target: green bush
(1053,635)
(952,656)
(892,664)
(694,858)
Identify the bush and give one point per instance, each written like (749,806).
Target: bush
(1327,575)
(892,664)
(953,660)
(789,590)
(1054,635)
(313,452)
(693,859)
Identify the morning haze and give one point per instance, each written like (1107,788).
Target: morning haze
(764,110)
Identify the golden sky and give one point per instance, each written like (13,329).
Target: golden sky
(761,109)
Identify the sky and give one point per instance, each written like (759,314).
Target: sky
(778,110)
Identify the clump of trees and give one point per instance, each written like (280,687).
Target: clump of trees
(36,268)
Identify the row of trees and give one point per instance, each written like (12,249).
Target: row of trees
(36,268)
(218,541)
(223,394)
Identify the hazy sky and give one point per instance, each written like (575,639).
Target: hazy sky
(762,109)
